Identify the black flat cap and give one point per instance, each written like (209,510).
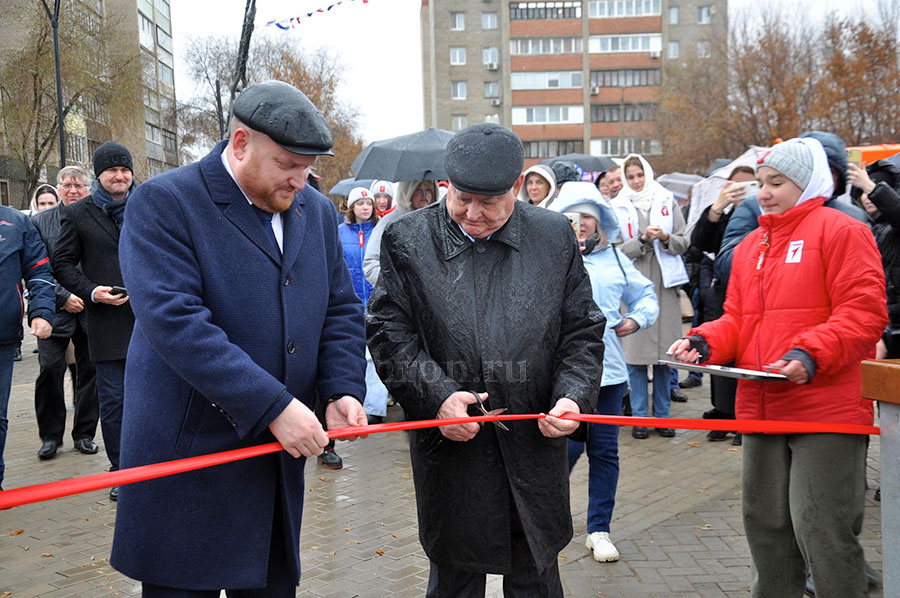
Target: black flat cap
(484,159)
(286,115)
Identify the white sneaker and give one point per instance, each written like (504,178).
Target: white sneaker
(603,548)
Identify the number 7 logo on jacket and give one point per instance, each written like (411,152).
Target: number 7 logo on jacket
(795,250)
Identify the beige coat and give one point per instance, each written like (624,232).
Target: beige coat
(645,347)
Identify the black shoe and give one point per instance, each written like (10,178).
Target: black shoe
(330,459)
(114,494)
(374,419)
(86,446)
(17,356)
(872,576)
(666,432)
(877,494)
(690,382)
(737,440)
(626,405)
(678,396)
(640,432)
(48,450)
(714,414)
(717,435)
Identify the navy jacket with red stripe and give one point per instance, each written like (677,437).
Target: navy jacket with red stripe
(22,256)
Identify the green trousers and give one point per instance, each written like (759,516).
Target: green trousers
(803,504)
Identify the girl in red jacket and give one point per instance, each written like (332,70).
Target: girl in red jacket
(806,295)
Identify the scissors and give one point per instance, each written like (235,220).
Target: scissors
(492,412)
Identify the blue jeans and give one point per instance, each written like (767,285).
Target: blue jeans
(603,457)
(7,351)
(662,384)
(111,395)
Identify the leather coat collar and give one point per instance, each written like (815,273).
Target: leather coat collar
(454,242)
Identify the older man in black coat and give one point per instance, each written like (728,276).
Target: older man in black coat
(480,293)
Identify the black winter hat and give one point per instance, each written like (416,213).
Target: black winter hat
(112,154)
(484,159)
(565,172)
(836,152)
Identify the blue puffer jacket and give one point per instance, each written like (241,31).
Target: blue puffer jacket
(23,256)
(354,238)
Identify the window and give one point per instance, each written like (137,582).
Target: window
(165,57)
(547,80)
(169,141)
(550,148)
(154,167)
(457,21)
(4,193)
(458,90)
(544,10)
(153,133)
(490,55)
(492,118)
(606,113)
(163,7)
(703,49)
(673,49)
(611,9)
(146,31)
(524,46)
(457,56)
(614,146)
(148,70)
(458,122)
(626,78)
(145,6)
(673,15)
(164,39)
(539,115)
(703,15)
(76,147)
(492,89)
(488,20)
(166,74)
(614,44)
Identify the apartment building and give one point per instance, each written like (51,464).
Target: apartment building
(567,76)
(145,123)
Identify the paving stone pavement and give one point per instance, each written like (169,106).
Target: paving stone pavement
(676,524)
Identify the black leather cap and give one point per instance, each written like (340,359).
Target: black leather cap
(286,115)
(484,159)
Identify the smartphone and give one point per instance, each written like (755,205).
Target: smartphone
(749,190)
(854,156)
(575,221)
(118,291)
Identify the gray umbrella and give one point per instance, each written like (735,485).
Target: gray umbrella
(414,157)
(344,186)
(586,162)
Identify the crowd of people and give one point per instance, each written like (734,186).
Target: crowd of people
(255,312)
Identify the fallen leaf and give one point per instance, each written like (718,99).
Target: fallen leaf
(333,553)
(732,450)
(85,519)
(394,536)
(26,548)
(694,444)
(346,529)
(46,554)
(707,526)
(322,478)
(17,532)
(379,552)
(5,594)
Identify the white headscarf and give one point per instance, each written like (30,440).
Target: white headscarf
(643,198)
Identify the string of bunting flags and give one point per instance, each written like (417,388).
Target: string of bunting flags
(287,24)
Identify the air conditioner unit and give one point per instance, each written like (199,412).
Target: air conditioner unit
(595,90)
(496,101)
(655,53)
(492,66)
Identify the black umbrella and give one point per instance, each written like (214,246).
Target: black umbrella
(586,162)
(414,157)
(344,186)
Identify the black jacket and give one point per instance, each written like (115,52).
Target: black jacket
(886,228)
(89,237)
(47,224)
(512,316)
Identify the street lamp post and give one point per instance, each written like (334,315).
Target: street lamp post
(54,24)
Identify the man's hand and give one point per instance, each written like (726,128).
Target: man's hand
(553,427)
(102,295)
(299,431)
(455,406)
(41,328)
(628,326)
(345,412)
(74,304)
(793,369)
(859,178)
(681,350)
(881,351)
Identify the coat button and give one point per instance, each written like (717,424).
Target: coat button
(479,248)
(291,347)
(287,281)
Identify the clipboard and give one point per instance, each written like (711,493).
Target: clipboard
(727,372)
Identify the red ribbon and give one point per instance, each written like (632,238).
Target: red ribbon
(60,488)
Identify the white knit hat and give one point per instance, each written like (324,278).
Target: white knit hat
(385,187)
(791,158)
(356,194)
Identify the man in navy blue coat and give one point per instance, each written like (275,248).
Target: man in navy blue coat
(244,315)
